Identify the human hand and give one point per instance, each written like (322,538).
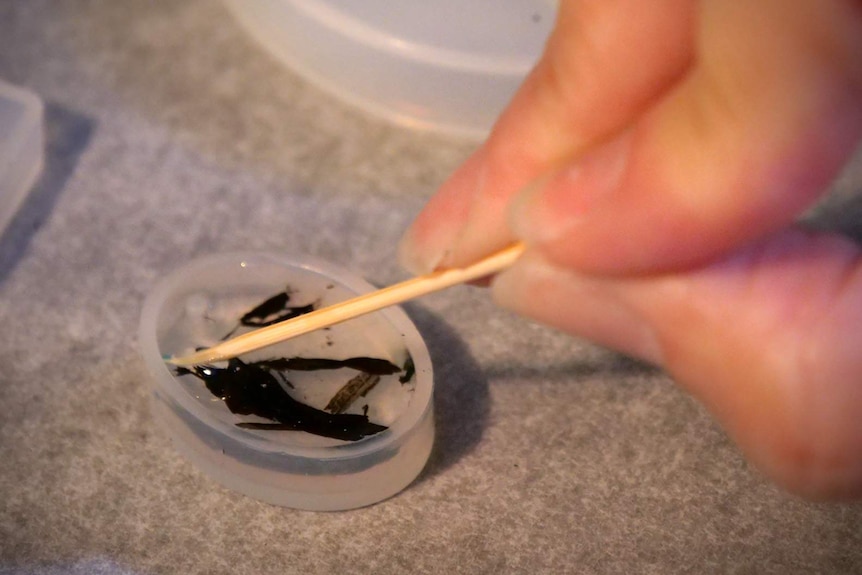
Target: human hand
(654,163)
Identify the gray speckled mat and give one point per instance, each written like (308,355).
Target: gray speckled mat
(171,136)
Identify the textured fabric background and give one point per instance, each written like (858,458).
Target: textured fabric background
(170,135)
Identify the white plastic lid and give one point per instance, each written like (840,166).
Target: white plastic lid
(444,65)
(21,147)
(201,303)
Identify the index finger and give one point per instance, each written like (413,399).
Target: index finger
(605,62)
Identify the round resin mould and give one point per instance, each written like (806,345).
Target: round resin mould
(203,303)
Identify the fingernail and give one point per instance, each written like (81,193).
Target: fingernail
(418,261)
(553,206)
(430,240)
(592,308)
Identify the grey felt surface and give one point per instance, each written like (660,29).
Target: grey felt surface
(170,135)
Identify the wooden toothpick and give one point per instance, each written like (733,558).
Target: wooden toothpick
(354,307)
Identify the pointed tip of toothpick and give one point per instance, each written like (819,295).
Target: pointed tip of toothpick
(197,358)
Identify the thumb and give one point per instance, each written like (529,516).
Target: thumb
(767,339)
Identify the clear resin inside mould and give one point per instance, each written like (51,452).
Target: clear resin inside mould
(202,303)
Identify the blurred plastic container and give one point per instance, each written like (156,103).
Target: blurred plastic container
(443,65)
(21,147)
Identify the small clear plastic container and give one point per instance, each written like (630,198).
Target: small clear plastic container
(200,304)
(443,65)
(21,147)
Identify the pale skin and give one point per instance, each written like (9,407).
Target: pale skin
(655,163)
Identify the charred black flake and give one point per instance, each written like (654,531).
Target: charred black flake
(409,370)
(274,310)
(248,389)
(257,388)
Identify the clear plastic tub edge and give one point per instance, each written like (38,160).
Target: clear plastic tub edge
(281,470)
(445,66)
(22,153)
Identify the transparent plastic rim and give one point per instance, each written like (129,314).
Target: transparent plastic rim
(331,18)
(165,381)
(30,119)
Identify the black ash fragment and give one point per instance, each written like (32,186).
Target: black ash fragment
(409,370)
(272,311)
(258,388)
(248,389)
